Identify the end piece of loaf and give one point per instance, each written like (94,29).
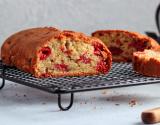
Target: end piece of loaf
(147,62)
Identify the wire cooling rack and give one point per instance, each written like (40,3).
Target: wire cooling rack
(121,75)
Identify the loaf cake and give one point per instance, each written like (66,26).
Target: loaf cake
(49,52)
(122,43)
(147,62)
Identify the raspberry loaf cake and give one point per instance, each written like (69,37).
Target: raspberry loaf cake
(49,52)
(147,62)
(122,43)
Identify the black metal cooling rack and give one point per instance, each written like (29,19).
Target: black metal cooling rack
(121,75)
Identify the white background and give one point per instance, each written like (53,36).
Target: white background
(22,105)
(80,15)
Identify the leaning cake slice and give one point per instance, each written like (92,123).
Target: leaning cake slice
(49,52)
(122,43)
(147,62)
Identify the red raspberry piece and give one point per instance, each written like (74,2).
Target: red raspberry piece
(115,50)
(84,59)
(45,75)
(118,42)
(139,45)
(97,48)
(102,67)
(44,53)
(62,67)
(62,48)
(97,52)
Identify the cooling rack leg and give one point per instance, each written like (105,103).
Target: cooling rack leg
(3,79)
(60,103)
(3,83)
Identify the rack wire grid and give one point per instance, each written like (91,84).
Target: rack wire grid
(121,75)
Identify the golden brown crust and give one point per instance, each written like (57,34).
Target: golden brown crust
(146,67)
(121,60)
(67,74)
(154,45)
(21,49)
(133,34)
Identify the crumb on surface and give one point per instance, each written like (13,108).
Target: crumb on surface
(107,99)
(43,103)
(117,104)
(104,92)
(132,102)
(94,97)
(16,94)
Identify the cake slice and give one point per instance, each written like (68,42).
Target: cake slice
(49,52)
(122,43)
(147,62)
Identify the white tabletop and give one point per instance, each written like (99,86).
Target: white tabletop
(21,105)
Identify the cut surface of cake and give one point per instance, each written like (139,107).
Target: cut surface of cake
(147,62)
(123,43)
(49,52)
